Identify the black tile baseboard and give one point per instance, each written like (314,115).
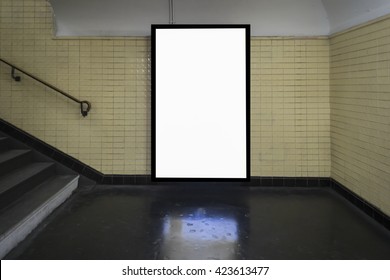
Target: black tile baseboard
(255,181)
(290,181)
(361,203)
(50,151)
(109,179)
(71,162)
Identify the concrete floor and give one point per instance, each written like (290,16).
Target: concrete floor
(206,222)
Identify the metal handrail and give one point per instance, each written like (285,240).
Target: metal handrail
(85,106)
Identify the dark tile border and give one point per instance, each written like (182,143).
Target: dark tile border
(107,179)
(50,151)
(361,203)
(290,181)
(255,181)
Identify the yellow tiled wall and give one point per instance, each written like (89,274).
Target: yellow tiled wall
(290,107)
(289,96)
(360,111)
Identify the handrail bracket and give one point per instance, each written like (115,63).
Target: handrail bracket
(85,106)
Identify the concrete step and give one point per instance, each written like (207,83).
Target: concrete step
(21,217)
(21,180)
(13,159)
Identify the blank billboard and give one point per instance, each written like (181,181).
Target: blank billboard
(200,102)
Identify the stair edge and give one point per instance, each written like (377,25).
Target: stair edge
(20,231)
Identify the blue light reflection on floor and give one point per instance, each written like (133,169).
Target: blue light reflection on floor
(199,233)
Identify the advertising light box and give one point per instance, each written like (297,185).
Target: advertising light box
(200,102)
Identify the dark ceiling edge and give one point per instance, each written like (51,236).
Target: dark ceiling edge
(256,181)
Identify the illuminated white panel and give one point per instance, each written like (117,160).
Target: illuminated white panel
(200,93)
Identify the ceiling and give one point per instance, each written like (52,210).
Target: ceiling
(267,17)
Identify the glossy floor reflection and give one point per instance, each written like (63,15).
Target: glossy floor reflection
(204,232)
(206,222)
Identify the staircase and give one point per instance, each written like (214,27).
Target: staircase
(31,187)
